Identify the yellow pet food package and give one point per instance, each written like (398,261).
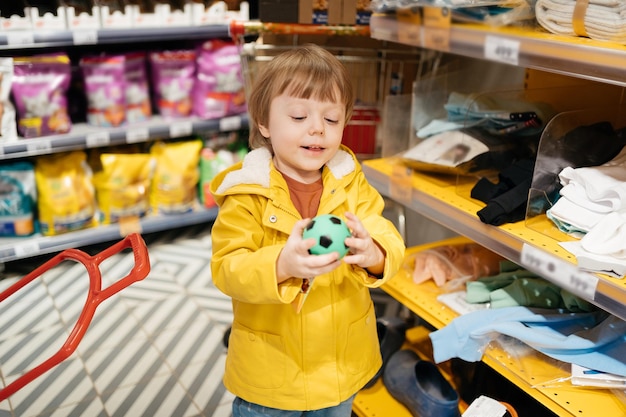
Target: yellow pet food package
(66,194)
(122,186)
(176,176)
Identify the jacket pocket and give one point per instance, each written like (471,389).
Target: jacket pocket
(257,358)
(362,349)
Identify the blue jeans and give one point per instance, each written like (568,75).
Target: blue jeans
(242,408)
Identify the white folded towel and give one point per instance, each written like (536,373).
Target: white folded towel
(603,19)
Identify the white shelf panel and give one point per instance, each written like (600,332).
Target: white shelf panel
(20,248)
(49,38)
(84,136)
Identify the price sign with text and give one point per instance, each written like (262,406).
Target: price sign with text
(502,50)
(560,272)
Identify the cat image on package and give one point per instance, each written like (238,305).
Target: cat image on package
(173,74)
(39,88)
(104,86)
(219,88)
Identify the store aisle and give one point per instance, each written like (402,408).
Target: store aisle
(154,349)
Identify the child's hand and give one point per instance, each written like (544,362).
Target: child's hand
(296,261)
(364,252)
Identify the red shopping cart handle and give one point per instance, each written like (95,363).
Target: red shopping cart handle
(96,296)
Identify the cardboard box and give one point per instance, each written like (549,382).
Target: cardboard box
(319,12)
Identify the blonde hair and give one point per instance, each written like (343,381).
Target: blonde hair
(308,71)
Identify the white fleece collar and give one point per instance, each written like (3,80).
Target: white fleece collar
(256,169)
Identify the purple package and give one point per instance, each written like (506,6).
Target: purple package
(173,74)
(137,88)
(104,86)
(39,89)
(219,89)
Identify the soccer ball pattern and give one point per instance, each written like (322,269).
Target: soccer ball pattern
(329,232)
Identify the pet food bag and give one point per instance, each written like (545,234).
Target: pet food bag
(219,89)
(176,176)
(8,130)
(138,106)
(173,74)
(66,197)
(18,197)
(39,88)
(123,185)
(104,78)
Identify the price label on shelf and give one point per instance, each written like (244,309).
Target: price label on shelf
(137,134)
(38,146)
(26,249)
(20,37)
(230,123)
(129,225)
(560,272)
(180,129)
(502,50)
(85,36)
(96,139)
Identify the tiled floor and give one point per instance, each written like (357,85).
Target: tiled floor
(154,349)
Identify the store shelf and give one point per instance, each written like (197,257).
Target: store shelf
(21,39)
(524,47)
(84,136)
(446,200)
(21,248)
(530,371)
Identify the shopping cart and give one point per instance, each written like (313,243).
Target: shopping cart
(95,297)
(377,68)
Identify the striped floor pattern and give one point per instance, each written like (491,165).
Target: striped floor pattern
(155,349)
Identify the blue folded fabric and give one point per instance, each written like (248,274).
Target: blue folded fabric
(594,340)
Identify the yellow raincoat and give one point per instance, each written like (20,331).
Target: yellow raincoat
(326,353)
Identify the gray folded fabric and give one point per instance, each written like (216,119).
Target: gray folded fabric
(603,19)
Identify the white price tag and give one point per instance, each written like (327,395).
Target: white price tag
(38,146)
(96,139)
(26,249)
(560,272)
(230,123)
(502,50)
(138,134)
(85,36)
(20,37)
(180,129)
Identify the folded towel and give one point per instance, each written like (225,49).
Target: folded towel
(603,19)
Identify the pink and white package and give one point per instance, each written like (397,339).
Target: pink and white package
(219,88)
(138,106)
(105,89)
(39,89)
(173,74)
(8,130)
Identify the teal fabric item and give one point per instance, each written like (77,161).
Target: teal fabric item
(594,340)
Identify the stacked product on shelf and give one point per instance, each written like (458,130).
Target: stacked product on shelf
(70,191)
(90,14)
(204,82)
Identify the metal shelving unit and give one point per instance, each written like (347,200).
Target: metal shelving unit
(528,48)
(24,247)
(21,39)
(449,204)
(84,136)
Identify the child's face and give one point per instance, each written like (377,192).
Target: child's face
(305,134)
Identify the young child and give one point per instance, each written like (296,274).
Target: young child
(289,355)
